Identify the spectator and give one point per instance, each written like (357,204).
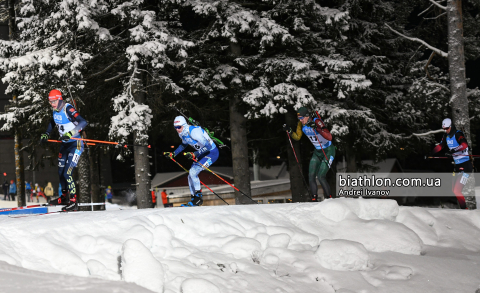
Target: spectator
(39,192)
(49,191)
(5,189)
(28,189)
(34,192)
(13,190)
(109,194)
(164,197)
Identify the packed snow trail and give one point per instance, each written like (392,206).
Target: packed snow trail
(339,245)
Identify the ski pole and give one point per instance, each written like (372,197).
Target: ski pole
(200,181)
(298,164)
(52,140)
(196,161)
(109,142)
(472,156)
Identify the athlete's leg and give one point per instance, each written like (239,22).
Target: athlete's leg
(194,181)
(312,173)
(324,167)
(461,177)
(62,158)
(75,150)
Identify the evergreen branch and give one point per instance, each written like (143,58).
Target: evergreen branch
(438,51)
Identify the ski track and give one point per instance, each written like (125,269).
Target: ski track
(339,245)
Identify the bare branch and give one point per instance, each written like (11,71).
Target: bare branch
(106,68)
(435,16)
(440,85)
(116,77)
(438,5)
(426,65)
(438,51)
(425,10)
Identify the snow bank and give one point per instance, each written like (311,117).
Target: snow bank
(198,286)
(339,245)
(140,266)
(342,255)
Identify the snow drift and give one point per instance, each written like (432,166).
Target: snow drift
(339,245)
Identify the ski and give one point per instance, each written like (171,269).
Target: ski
(42,214)
(40,208)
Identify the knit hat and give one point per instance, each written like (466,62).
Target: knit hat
(303,111)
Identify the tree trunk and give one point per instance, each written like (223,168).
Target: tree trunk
(351,159)
(140,153)
(238,135)
(83,182)
(300,192)
(458,85)
(19,169)
(95,178)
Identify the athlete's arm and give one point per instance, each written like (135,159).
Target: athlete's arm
(180,148)
(197,134)
(51,125)
(298,133)
(462,141)
(75,116)
(322,129)
(441,145)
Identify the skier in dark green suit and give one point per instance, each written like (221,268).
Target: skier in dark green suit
(321,138)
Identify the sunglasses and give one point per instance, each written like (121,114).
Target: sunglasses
(178,127)
(446,128)
(300,117)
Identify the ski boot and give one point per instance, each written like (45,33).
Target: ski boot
(72,204)
(61,200)
(314,198)
(196,200)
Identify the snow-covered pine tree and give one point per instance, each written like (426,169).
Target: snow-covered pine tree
(311,72)
(53,42)
(149,48)
(229,31)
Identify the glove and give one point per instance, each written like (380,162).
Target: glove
(168,155)
(449,153)
(311,124)
(66,136)
(43,138)
(190,155)
(287,128)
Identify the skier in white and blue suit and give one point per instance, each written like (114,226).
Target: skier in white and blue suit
(206,153)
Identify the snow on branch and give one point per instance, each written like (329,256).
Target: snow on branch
(420,135)
(427,133)
(438,5)
(438,51)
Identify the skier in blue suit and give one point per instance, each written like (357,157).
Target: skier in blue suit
(69,124)
(206,153)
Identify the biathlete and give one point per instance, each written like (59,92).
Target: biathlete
(69,124)
(456,146)
(321,138)
(206,153)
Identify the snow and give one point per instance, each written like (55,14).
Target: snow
(339,245)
